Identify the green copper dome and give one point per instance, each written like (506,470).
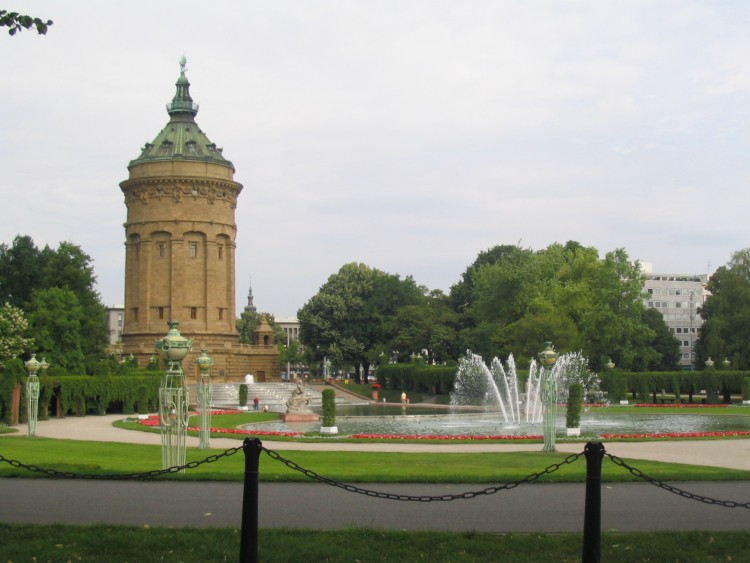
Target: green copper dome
(182,139)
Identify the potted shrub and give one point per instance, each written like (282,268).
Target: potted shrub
(329,412)
(375,387)
(573,413)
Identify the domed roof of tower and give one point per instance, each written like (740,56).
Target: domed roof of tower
(182,139)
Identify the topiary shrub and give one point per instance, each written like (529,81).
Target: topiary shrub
(243,395)
(746,389)
(329,407)
(575,402)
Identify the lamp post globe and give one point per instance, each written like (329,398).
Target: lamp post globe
(547,359)
(173,397)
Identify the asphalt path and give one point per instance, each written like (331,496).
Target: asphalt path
(550,508)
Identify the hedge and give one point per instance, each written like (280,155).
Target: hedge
(80,395)
(719,385)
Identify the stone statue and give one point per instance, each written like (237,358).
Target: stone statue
(298,402)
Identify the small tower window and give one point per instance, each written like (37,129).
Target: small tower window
(193,312)
(221,252)
(135,313)
(221,314)
(162,250)
(193,250)
(161,313)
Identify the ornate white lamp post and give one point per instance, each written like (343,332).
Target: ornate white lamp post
(205,362)
(32,391)
(547,359)
(173,397)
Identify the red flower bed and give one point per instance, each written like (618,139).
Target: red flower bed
(680,405)
(445,437)
(725,434)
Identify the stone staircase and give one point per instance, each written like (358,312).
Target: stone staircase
(272,393)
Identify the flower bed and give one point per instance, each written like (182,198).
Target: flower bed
(681,405)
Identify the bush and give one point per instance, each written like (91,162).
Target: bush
(329,407)
(243,394)
(746,389)
(575,401)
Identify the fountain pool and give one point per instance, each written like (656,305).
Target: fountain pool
(448,422)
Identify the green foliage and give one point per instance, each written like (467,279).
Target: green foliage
(16,22)
(56,320)
(725,330)
(436,380)
(575,403)
(746,389)
(243,394)
(13,325)
(329,407)
(56,290)
(352,314)
(11,374)
(515,299)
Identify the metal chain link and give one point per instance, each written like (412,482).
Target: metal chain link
(118,476)
(415,498)
(681,492)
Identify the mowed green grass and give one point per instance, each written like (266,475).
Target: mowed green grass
(107,544)
(362,467)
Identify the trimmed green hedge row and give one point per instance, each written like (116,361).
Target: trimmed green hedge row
(435,380)
(645,386)
(79,395)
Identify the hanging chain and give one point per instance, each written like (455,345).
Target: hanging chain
(417,498)
(119,476)
(681,492)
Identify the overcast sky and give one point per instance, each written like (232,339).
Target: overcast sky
(408,135)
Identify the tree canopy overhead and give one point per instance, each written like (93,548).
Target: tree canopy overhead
(16,22)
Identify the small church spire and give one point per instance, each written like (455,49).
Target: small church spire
(250,307)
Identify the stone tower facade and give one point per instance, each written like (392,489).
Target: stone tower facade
(180,248)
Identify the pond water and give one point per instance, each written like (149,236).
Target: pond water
(430,421)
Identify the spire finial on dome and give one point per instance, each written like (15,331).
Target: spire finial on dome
(182,104)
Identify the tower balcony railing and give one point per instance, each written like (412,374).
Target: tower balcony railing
(192,106)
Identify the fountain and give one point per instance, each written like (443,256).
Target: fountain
(498,386)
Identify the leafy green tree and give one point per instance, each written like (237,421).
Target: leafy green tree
(25,269)
(13,326)
(16,22)
(55,319)
(21,269)
(351,315)
(664,344)
(725,331)
(431,326)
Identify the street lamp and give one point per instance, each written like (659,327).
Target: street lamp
(547,359)
(32,391)
(173,397)
(205,362)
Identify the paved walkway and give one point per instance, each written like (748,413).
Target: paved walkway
(731,454)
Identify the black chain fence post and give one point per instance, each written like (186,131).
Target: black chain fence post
(592,516)
(249,533)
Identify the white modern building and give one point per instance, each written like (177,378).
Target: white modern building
(677,297)
(115,317)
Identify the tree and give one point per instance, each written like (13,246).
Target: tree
(16,22)
(664,344)
(725,330)
(351,315)
(20,271)
(13,326)
(25,269)
(430,326)
(55,319)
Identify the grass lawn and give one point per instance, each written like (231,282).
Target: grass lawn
(121,543)
(360,467)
